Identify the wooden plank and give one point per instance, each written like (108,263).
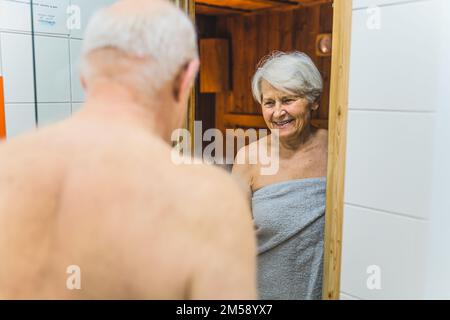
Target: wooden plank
(250,62)
(286,23)
(239,4)
(337,148)
(252,6)
(239,69)
(206,9)
(206,26)
(243,120)
(289,7)
(224,99)
(214,75)
(320,123)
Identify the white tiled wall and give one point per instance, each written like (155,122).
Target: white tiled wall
(52,21)
(17,65)
(76,107)
(19,118)
(52,69)
(49,113)
(87,7)
(75,53)
(15,16)
(438,258)
(393,243)
(345,296)
(57,55)
(389,161)
(398,92)
(403,49)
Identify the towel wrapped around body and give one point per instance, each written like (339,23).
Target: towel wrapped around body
(290,219)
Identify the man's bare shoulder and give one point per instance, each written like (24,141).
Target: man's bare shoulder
(214,187)
(15,145)
(222,237)
(20,155)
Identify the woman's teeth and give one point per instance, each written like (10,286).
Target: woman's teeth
(282,123)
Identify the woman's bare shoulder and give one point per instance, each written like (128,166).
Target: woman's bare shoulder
(321,136)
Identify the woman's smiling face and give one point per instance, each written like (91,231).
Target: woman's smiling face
(289,113)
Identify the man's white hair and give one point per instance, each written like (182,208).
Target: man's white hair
(165,36)
(292,72)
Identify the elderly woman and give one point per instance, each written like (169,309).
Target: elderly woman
(289,206)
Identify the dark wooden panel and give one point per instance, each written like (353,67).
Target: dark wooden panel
(205,108)
(242,6)
(214,72)
(205,9)
(206,26)
(252,37)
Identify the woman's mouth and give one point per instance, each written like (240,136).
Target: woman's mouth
(282,124)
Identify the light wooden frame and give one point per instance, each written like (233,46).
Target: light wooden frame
(342,25)
(337,147)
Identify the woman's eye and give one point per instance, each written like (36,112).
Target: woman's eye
(268,104)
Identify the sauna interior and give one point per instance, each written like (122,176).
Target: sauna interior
(233,37)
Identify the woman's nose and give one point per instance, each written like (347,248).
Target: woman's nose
(279,111)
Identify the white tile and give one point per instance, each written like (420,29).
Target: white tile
(397,66)
(344,296)
(76,107)
(15,15)
(87,9)
(394,244)
(17,67)
(75,55)
(360,4)
(20,118)
(50,16)
(439,259)
(389,160)
(52,69)
(52,112)
(1,68)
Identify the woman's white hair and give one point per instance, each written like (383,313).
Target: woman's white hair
(162,34)
(292,72)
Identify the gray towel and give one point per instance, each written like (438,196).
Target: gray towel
(290,219)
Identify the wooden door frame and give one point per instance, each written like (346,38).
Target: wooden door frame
(337,139)
(337,147)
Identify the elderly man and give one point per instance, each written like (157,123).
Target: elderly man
(93,207)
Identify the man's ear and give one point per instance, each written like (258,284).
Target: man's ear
(185,79)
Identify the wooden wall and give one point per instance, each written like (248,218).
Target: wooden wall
(205,102)
(253,37)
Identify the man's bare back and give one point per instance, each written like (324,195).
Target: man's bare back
(104,196)
(94,208)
